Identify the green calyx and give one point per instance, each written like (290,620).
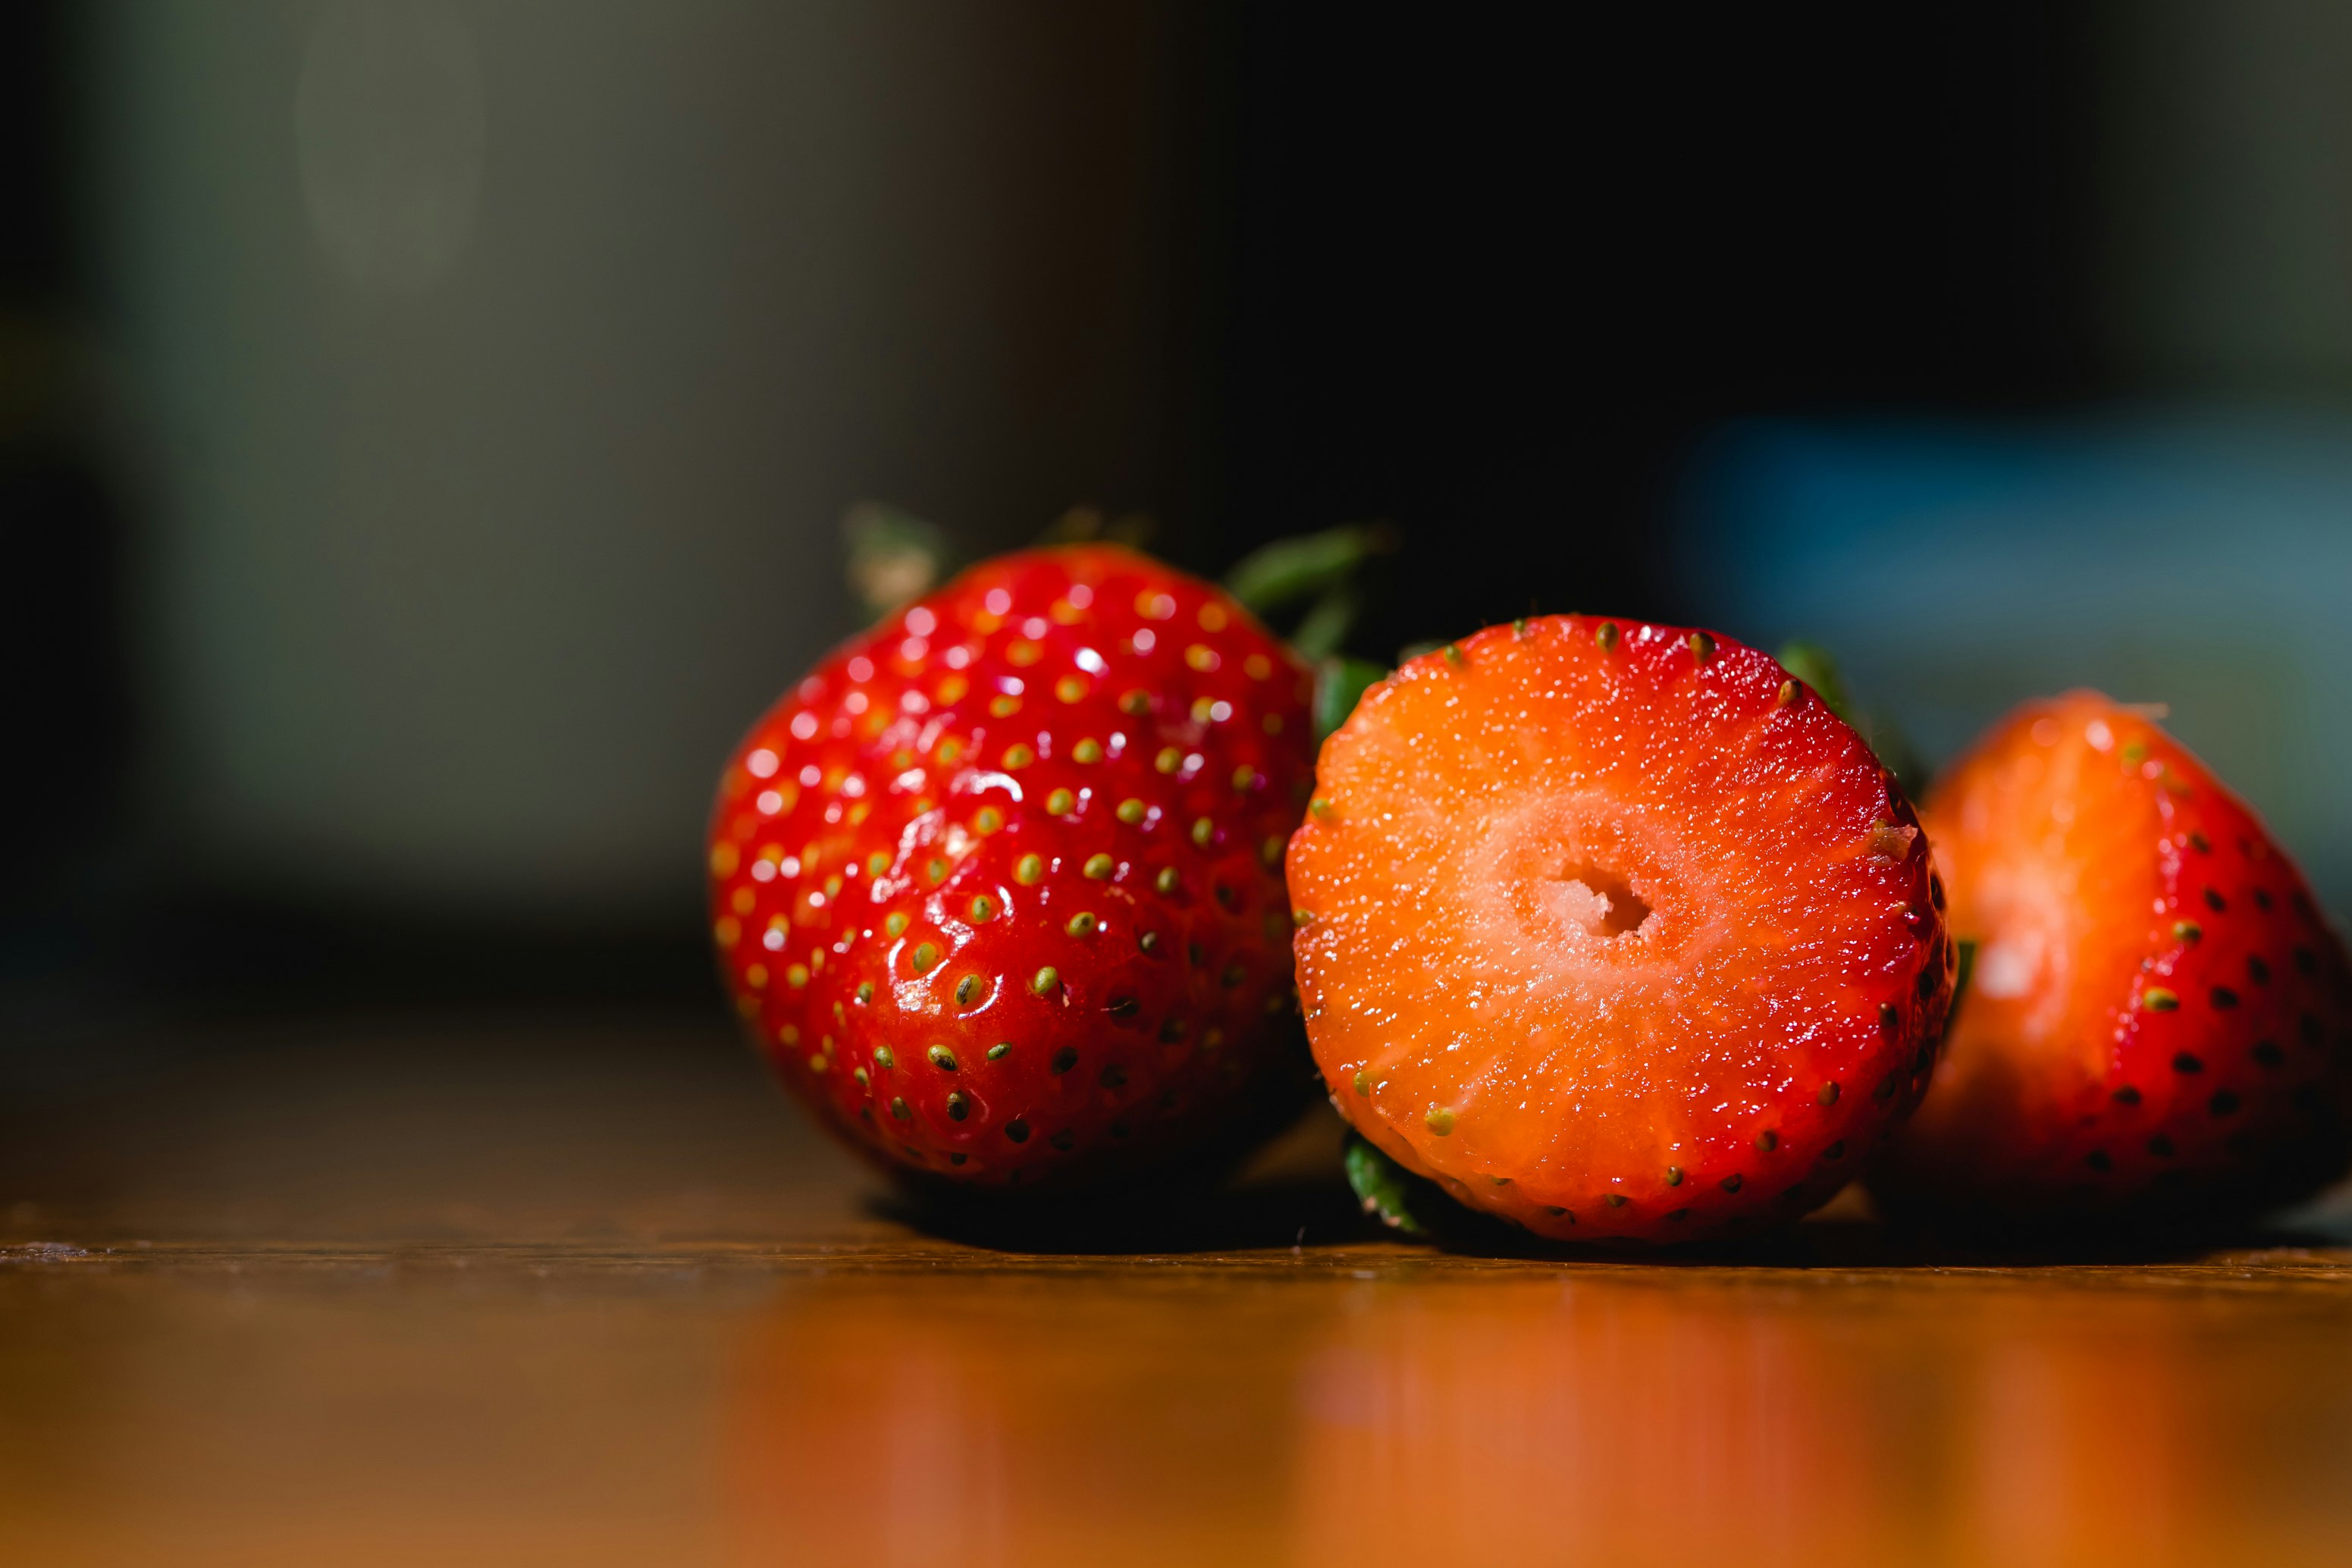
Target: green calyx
(1322,630)
(894,556)
(1812,664)
(1290,572)
(1386,1189)
(1323,572)
(1340,683)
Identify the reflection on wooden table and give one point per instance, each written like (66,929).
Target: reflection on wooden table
(583,1298)
(1392,1413)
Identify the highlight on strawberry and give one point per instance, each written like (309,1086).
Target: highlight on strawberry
(2159,1029)
(1614,931)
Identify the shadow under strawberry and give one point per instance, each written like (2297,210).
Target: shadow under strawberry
(1414,1208)
(1253,1219)
(1179,1200)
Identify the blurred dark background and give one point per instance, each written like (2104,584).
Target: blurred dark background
(424,427)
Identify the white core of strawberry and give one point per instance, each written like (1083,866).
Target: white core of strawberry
(1582,881)
(1600,902)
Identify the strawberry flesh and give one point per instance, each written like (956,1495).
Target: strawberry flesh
(997,885)
(1615,931)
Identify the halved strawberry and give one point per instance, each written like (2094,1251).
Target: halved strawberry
(1615,930)
(2159,1020)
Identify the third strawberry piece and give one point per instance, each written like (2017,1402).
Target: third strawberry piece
(2160,1024)
(1615,931)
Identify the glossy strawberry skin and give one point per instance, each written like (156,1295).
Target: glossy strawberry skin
(1729,1061)
(996,886)
(2182,1053)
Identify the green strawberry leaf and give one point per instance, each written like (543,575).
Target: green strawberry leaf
(1811,663)
(1327,622)
(894,556)
(1290,572)
(1387,1189)
(1339,684)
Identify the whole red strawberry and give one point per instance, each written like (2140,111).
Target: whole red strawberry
(1615,931)
(2160,1024)
(998,884)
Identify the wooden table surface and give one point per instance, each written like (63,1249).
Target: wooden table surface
(589,1292)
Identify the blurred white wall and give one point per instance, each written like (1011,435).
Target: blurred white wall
(503,369)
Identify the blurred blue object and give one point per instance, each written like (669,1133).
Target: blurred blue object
(2196,558)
